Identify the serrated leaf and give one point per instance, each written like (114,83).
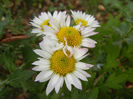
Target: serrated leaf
(8,62)
(18,76)
(123,29)
(28,53)
(113,52)
(115,81)
(32,86)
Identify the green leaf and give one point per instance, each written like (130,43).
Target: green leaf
(114,3)
(75,95)
(130,75)
(115,81)
(129,39)
(32,86)
(113,52)
(123,29)
(18,76)
(28,53)
(104,92)
(8,62)
(93,94)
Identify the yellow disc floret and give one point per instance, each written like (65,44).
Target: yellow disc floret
(46,22)
(72,36)
(83,22)
(62,64)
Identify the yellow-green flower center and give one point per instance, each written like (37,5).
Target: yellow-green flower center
(46,22)
(72,36)
(62,64)
(83,22)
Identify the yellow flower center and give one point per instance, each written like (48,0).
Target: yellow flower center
(83,22)
(72,36)
(46,22)
(61,64)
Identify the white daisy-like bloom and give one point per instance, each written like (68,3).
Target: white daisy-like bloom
(84,19)
(72,36)
(43,19)
(58,68)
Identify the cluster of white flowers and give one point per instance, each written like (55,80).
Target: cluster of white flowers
(65,43)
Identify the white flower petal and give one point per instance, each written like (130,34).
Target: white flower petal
(49,87)
(58,46)
(36,30)
(59,84)
(83,66)
(68,82)
(76,82)
(84,73)
(77,26)
(54,25)
(44,76)
(55,14)
(68,21)
(54,79)
(87,42)
(48,29)
(82,57)
(63,21)
(79,52)
(86,30)
(37,21)
(35,25)
(90,34)
(41,68)
(41,62)
(68,48)
(80,76)
(48,44)
(42,53)
(44,16)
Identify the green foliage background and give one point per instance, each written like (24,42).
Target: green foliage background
(112,75)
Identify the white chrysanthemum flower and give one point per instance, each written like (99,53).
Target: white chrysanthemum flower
(75,36)
(84,19)
(58,68)
(43,19)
